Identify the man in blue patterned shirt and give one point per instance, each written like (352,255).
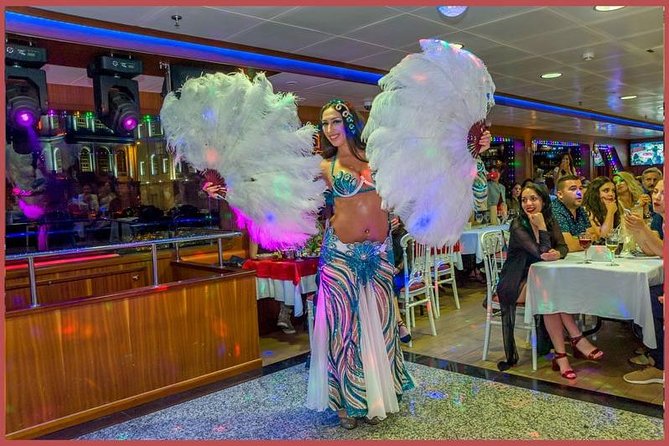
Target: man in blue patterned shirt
(568,212)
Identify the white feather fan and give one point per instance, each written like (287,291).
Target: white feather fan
(253,138)
(417,139)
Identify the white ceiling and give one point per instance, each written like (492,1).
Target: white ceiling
(516,43)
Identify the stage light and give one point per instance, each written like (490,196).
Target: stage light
(25,85)
(123,111)
(116,94)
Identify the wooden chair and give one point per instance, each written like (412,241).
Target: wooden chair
(443,273)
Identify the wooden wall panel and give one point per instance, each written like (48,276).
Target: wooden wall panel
(78,98)
(70,364)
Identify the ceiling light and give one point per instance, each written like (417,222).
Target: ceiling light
(291,82)
(607,8)
(457,45)
(625,98)
(451,11)
(550,75)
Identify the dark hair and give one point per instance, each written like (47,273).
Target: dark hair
(353,123)
(571,160)
(545,208)
(525,183)
(593,203)
(566,178)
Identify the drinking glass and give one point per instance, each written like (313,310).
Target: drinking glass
(612,245)
(585,240)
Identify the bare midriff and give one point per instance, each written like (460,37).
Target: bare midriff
(360,218)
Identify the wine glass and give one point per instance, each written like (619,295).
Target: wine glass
(612,245)
(585,240)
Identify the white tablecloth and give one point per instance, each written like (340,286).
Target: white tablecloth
(285,291)
(470,240)
(618,292)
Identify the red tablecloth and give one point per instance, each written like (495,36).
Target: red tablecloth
(292,270)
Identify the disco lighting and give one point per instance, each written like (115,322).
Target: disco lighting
(116,94)
(25,85)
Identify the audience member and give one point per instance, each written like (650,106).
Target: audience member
(571,217)
(601,204)
(651,244)
(534,236)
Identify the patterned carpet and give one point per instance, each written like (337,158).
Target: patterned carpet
(444,405)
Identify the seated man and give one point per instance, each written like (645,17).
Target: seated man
(650,243)
(570,216)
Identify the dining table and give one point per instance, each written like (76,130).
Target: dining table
(285,280)
(598,288)
(470,239)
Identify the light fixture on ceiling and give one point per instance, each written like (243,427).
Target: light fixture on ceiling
(551,75)
(291,83)
(457,45)
(176,18)
(627,98)
(452,11)
(607,8)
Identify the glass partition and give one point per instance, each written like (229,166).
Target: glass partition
(80,186)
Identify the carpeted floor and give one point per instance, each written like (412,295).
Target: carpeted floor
(444,405)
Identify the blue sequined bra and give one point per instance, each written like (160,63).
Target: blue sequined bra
(345,184)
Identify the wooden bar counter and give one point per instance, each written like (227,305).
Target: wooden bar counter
(75,359)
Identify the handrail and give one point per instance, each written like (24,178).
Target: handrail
(152,243)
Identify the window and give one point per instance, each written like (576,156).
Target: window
(121,163)
(154,165)
(57,160)
(85,160)
(103,160)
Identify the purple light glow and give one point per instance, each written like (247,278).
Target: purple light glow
(24,118)
(129,124)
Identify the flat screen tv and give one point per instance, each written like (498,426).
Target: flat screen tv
(646,153)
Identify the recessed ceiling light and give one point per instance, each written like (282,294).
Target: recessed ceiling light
(625,98)
(456,45)
(451,11)
(550,75)
(291,82)
(607,8)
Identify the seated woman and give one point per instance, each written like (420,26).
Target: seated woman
(601,203)
(630,192)
(534,236)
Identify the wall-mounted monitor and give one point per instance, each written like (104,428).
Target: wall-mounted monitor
(646,153)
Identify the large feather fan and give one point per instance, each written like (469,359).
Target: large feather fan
(253,138)
(417,138)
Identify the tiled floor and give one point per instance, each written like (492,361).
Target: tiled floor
(460,339)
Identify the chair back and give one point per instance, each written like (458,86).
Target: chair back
(415,258)
(492,247)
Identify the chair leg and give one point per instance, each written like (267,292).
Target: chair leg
(486,336)
(430,315)
(455,288)
(435,298)
(534,346)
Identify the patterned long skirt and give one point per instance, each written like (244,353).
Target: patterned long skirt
(356,359)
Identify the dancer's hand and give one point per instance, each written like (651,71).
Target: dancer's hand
(485,141)
(215,191)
